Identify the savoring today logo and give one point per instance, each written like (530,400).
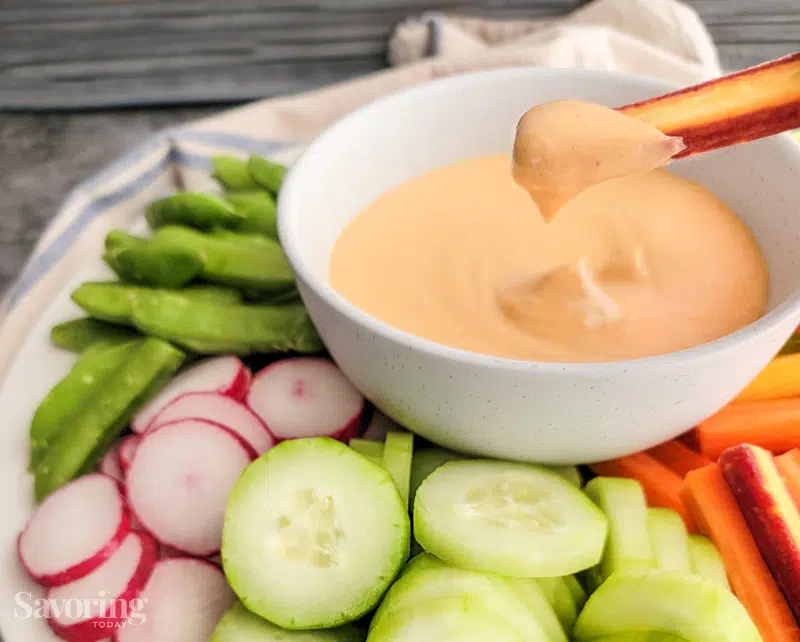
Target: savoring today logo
(110,612)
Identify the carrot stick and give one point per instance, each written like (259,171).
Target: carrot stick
(678,457)
(789,465)
(689,439)
(779,380)
(661,486)
(714,509)
(773,425)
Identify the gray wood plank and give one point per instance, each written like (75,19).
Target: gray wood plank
(93,53)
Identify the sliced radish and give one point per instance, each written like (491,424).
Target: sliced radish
(184,600)
(306,397)
(109,464)
(127,449)
(379,426)
(225,375)
(219,409)
(74,530)
(179,481)
(95,605)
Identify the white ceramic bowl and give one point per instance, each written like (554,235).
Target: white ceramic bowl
(543,412)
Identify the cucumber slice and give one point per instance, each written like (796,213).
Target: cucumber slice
(677,603)
(578,594)
(449,619)
(628,547)
(372,450)
(533,596)
(570,473)
(240,625)
(423,560)
(314,534)
(512,519)
(642,636)
(423,585)
(398,451)
(706,560)
(560,598)
(669,540)
(425,461)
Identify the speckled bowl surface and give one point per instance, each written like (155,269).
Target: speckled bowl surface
(544,412)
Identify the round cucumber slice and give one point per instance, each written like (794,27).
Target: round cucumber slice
(560,598)
(240,625)
(314,534)
(428,582)
(425,461)
(533,596)
(512,519)
(450,619)
(672,602)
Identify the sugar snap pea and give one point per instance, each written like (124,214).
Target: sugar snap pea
(232,173)
(78,335)
(258,212)
(244,261)
(196,209)
(92,369)
(147,262)
(112,301)
(266,173)
(85,435)
(238,329)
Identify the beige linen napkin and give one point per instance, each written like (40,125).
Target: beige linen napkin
(660,38)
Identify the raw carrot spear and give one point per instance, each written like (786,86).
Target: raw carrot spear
(779,380)
(679,458)
(662,487)
(717,515)
(789,465)
(774,425)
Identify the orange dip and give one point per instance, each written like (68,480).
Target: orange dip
(638,261)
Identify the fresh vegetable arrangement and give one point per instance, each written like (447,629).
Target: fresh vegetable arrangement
(213,487)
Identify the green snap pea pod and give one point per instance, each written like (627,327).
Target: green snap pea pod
(85,435)
(112,301)
(232,173)
(280,298)
(120,240)
(78,335)
(243,261)
(146,262)
(239,329)
(149,264)
(258,212)
(266,173)
(195,209)
(92,369)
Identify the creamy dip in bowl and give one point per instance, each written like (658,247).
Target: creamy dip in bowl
(484,403)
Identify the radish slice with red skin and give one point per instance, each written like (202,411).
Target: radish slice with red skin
(184,600)
(225,375)
(74,530)
(109,465)
(219,409)
(179,481)
(127,449)
(307,397)
(90,608)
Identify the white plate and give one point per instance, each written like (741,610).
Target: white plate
(37,367)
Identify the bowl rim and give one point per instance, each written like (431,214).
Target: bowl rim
(291,241)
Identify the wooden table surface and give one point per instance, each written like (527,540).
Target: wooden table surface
(79,53)
(73,54)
